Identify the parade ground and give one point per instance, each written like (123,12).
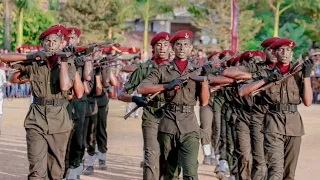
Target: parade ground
(125,145)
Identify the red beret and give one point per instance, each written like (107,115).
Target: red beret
(234,60)
(283,42)
(161,35)
(213,54)
(73,30)
(267,42)
(183,34)
(55,29)
(225,52)
(259,53)
(247,55)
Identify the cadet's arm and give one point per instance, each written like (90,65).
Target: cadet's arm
(65,81)
(123,96)
(98,84)
(12,57)
(307,92)
(87,87)
(204,93)
(216,80)
(108,78)
(87,70)
(236,73)
(151,84)
(15,78)
(129,68)
(149,88)
(78,86)
(248,88)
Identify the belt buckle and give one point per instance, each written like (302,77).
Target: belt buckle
(49,102)
(284,107)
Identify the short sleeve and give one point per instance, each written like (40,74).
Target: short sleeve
(134,80)
(154,77)
(25,70)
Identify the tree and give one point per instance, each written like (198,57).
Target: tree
(94,18)
(146,9)
(214,17)
(278,7)
(22,6)
(7,20)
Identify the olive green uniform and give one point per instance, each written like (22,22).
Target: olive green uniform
(218,101)
(47,123)
(151,117)
(259,109)
(283,125)
(178,130)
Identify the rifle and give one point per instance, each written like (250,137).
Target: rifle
(294,70)
(184,77)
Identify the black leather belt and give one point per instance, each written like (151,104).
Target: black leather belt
(53,102)
(283,107)
(156,104)
(180,108)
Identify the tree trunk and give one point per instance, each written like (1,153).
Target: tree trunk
(145,32)
(276,20)
(110,31)
(7,44)
(20,28)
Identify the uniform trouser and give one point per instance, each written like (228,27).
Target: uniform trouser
(180,150)
(216,133)
(46,153)
(88,131)
(243,145)
(259,167)
(206,119)
(151,167)
(76,143)
(99,132)
(282,154)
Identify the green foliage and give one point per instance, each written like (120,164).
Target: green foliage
(35,22)
(93,17)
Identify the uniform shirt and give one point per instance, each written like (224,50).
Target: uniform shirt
(185,96)
(142,71)
(45,83)
(288,92)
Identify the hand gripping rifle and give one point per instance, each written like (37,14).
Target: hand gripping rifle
(184,77)
(294,70)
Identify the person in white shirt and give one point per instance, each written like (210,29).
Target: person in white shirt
(3,84)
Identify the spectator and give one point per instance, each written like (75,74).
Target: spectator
(3,84)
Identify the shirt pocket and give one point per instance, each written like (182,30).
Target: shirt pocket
(294,96)
(37,84)
(274,94)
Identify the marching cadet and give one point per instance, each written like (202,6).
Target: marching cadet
(283,125)
(206,124)
(152,112)
(255,145)
(47,123)
(96,123)
(178,130)
(75,147)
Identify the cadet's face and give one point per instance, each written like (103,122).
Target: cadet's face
(284,54)
(162,49)
(270,57)
(73,39)
(315,57)
(256,59)
(215,59)
(182,48)
(52,43)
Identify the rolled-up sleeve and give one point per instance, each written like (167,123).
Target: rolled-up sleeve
(154,77)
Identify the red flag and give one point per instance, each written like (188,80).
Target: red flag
(234,25)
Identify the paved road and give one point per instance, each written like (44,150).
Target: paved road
(125,145)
